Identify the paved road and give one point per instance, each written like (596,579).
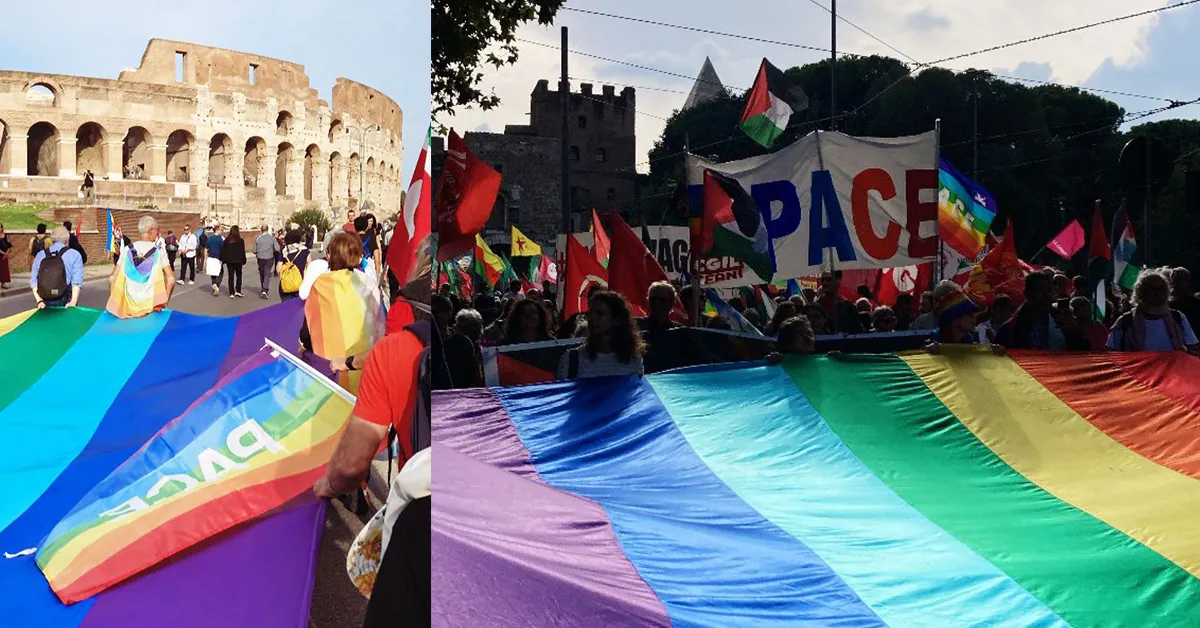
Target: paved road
(335,601)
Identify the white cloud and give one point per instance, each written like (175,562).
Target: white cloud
(925,29)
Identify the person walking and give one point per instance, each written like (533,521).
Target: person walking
(141,282)
(57,274)
(233,255)
(212,263)
(292,265)
(172,246)
(188,244)
(5,247)
(265,248)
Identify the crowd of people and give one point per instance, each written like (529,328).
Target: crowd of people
(1054,314)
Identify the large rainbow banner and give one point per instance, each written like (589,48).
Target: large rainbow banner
(963,489)
(85,397)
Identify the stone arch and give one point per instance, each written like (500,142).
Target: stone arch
(89,149)
(252,170)
(5,158)
(283,123)
(336,128)
(179,156)
(220,159)
(283,161)
(312,167)
(42,150)
(41,95)
(135,154)
(355,176)
(369,186)
(335,168)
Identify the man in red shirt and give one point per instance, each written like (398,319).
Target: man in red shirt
(349,226)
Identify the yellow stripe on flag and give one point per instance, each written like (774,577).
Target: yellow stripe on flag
(12,322)
(522,246)
(1042,438)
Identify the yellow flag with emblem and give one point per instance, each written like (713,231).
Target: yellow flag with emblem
(523,246)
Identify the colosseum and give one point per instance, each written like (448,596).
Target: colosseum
(200,130)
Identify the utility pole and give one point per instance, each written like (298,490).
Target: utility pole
(833,65)
(974,130)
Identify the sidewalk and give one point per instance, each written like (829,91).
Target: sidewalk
(20,281)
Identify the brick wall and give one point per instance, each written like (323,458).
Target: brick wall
(93,225)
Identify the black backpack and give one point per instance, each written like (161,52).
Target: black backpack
(52,277)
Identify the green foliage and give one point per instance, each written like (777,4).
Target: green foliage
(469,34)
(306,218)
(1046,152)
(24,216)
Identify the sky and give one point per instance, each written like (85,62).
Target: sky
(380,43)
(1147,56)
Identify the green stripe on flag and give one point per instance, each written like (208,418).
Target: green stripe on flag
(1086,571)
(38,344)
(737,246)
(762,129)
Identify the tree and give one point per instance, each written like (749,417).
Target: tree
(306,218)
(462,33)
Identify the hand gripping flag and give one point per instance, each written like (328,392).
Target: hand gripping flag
(732,225)
(522,246)
(466,193)
(772,101)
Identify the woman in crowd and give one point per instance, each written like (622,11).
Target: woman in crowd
(783,311)
(233,255)
(527,322)
(5,247)
(295,254)
(796,337)
(956,318)
(344,253)
(816,318)
(611,346)
(1152,325)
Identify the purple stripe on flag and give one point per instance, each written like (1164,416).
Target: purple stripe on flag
(280,323)
(475,423)
(261,575)
(509,549)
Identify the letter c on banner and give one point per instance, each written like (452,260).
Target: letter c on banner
(919,212)
(877,179)
(789,216)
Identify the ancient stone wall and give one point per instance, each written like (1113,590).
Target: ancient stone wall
(238,135)
(93,229)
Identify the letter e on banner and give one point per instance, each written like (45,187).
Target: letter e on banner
(921,211)
(878,180)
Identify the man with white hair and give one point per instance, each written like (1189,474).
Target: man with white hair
(265,249)
(56,277)
(142,281)
(1152,325)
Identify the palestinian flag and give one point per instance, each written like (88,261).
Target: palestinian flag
(601,244)
(733,226)
(488,265)
(773,100)
(1126,262)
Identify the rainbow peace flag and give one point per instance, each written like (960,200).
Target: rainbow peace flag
(82,392)
(261,438)
(963,489)
(345,314)
(139,288)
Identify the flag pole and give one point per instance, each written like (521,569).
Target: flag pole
(937,168)
(564,90)
(695,257)
(833,65)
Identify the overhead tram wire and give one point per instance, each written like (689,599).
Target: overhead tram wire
(634,65)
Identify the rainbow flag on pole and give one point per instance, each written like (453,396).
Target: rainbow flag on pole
(963,489)
(965,211)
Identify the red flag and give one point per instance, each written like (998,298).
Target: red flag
(526,286)
(601,247)
(893,282)
(413,225)
(548,270)
(1068,241)
(466,193)
(633,268)
(999,272)
(1098,248)
(464,283)
(583,271)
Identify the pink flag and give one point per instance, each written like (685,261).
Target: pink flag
(1068,242)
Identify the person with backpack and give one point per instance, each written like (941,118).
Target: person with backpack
(294,260)
(394,397)
(40,241)
(1153,325)
(142,281)
(56,277)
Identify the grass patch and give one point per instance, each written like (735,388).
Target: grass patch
(24,216)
